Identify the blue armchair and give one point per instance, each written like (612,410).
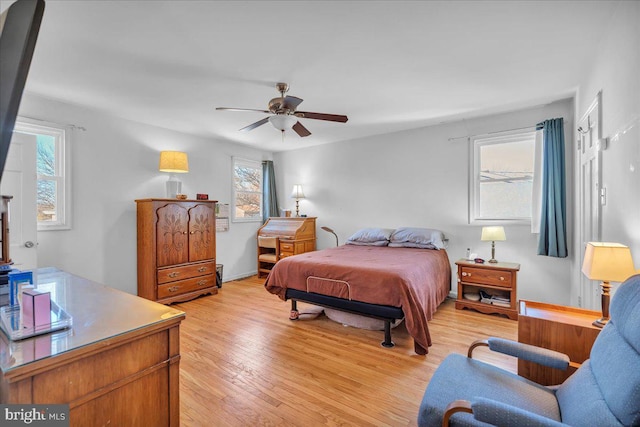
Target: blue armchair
(604,391)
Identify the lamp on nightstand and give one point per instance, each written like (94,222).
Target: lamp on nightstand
(608,262)
(492,234)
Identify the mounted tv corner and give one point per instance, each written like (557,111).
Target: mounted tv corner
(20,25)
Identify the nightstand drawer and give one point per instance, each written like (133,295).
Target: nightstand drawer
(483,276)
(494,286)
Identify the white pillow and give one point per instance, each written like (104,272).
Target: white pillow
(370,235)
(417,237)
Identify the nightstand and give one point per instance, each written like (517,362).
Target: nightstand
(556,327)
(497,279)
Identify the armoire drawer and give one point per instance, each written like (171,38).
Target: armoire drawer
(173,274)
(184,286)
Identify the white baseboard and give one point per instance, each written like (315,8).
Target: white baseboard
(238,276)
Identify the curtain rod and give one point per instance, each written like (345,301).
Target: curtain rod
(534,127)
(68,125)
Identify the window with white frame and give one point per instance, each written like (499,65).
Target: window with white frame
(53,174)
(501,179)
(247,190)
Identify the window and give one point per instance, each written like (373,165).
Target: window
(502,177)
(52,169)
(247,190)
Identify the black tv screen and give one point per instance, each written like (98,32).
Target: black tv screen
(20,26)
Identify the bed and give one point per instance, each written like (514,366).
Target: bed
(376,280)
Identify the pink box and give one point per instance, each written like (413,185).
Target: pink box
(36,309)
(36,348)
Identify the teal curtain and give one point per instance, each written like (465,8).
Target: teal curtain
(552,240)
(269,195)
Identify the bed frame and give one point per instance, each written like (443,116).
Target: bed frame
(386,313)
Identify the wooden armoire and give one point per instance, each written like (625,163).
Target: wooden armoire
(176,249)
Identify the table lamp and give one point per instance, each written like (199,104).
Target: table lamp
(492,234)
(607,262)
(173,162)
(297,194)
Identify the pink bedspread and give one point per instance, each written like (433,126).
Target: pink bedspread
(416,280)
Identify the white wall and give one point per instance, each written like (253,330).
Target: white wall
(420,178)
(615,70)
(114,162)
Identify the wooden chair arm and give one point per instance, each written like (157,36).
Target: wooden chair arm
(476,343)
(454,407)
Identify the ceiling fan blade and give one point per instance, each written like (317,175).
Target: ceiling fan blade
(300,129)
(291,102)
(322,116)
(241,109)
(255,125)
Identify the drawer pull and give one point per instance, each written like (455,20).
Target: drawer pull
(202,269)
(202,282)
(174,274)
(174,288)
(192,232)
(501,278)
(464,273)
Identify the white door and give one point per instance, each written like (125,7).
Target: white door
(19,180)
(590,206)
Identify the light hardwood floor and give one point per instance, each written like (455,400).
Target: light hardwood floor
(244,363)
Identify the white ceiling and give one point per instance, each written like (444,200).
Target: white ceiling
(388,65)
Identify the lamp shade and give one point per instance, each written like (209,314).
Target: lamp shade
(283,121)
(174,162)
(493,233)
(297,192)
(608,262)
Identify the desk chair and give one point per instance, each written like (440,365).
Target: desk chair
(268,254)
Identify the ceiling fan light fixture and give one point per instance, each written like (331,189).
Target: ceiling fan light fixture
(283,122)
(284,115)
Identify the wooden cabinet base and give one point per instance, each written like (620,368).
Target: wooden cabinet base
(560,328)
(109,384)
(118,365)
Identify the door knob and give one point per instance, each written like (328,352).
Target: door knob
(29,244)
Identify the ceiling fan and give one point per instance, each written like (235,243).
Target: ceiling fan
(284,114)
